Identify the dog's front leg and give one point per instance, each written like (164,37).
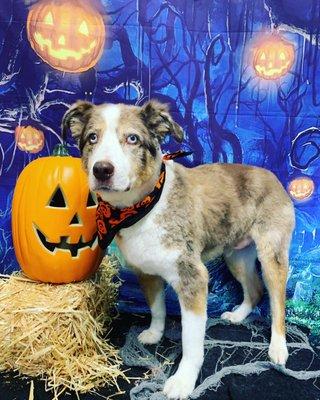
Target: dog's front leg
(192,291)
(153,288)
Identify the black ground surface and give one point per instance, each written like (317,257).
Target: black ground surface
(269,385)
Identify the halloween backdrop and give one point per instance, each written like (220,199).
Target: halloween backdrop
(242,78)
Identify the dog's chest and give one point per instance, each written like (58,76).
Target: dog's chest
(143,245)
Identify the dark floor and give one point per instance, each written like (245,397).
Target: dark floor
(269,385)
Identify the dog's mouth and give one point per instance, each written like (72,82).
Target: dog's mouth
(73,248)
(105,188)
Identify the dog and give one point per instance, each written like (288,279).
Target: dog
(238,211)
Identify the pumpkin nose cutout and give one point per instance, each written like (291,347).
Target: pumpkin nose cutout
(103,170)
(62,40)
(75,220)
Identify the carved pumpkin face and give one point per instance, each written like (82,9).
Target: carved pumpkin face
(67,34)
(29,139)
(301,188)
(53,221)
(273,58)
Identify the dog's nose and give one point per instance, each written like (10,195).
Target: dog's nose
(103,170)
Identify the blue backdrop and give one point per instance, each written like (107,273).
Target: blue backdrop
(202,57)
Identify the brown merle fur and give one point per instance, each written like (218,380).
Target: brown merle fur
(212,208)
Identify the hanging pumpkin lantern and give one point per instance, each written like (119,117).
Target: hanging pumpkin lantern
(273,58)
(301,188)
(29,139)
(67,34)
(53,221)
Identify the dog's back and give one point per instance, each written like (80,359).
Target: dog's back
(223,203)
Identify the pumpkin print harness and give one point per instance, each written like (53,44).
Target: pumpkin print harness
(110,219)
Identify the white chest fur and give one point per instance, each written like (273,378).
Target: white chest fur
(142,243)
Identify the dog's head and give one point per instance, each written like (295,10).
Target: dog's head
(120,144)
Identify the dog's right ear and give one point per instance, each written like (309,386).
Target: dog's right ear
(76,119)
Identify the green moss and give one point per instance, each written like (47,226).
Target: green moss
(306,314)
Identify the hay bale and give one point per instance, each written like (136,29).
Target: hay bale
(56,332)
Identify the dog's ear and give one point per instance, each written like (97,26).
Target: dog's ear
(159,122)
(76,118)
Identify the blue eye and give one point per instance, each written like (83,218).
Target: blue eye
(93,138)
(132,139)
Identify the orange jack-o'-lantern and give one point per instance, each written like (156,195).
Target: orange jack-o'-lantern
(29,139)
(273,58)
(301,188)
(53,221)
(67,34)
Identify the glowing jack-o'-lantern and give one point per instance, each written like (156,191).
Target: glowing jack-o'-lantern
(29,139)
(67,34)
(273,58)
(53,221)
(301,188)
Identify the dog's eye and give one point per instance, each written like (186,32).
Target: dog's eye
(93,138)
(132,139)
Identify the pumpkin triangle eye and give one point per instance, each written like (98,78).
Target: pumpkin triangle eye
(282,56)
(83,28)
(57,200)
(263,56)
(48,19)
(90,201)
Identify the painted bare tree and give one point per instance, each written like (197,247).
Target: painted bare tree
(177,61)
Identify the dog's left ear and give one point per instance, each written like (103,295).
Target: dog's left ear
(76,118)
(159,122)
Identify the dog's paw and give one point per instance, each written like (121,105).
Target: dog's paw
(232,317)
(238,315)
(149,336)
(179,386)
(278,351)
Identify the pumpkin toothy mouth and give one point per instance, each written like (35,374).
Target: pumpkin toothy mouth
(269,73)
(62,53)
(74,248)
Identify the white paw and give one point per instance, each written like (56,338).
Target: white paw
(278,351)
(238,315)
(232,317)
(179,386)
(150,336)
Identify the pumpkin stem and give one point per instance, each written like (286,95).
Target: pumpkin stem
(60,150)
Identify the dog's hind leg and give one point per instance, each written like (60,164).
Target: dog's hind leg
(274,262)
(153,288)
(242,266)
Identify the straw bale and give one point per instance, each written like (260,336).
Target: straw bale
(58,332)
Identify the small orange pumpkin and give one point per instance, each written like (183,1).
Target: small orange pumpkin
(301,188)
(53,221)
(67,34)
(29,139)
(273,58)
